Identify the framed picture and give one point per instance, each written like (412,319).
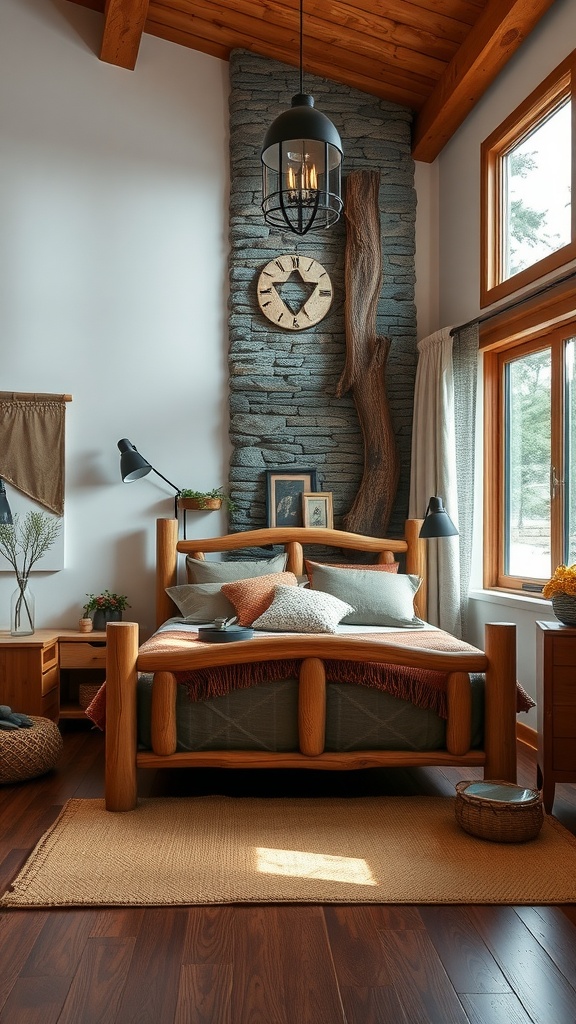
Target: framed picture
(317,509)
(284,490)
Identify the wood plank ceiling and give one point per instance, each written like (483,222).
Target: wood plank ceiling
(436,56)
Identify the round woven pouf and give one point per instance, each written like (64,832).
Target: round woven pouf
(499,811)
(27,753)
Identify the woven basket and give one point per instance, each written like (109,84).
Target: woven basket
(564,608)
(86,693)
(499,820)
(27,753)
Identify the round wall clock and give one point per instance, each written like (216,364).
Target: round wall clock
(315,306)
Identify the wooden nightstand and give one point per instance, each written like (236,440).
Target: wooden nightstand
(29,673)
(82,659)
(556,706)
(35,669)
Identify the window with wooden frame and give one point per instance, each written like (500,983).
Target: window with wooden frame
(530,441)
(528,168)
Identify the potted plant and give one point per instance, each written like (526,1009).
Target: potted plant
(562,589)
(30,537)
(105,607)
(204,500)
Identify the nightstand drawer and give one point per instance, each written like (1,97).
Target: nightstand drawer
(564,685)
(49,656)
(563,755)
(51,704)
(83,655)
(565,652)
(49,680)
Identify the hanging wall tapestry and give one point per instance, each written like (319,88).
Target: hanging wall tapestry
(32,446)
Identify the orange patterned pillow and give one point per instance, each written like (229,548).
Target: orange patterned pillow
(375,567)
(253,596)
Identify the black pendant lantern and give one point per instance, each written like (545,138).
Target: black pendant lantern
(301,166)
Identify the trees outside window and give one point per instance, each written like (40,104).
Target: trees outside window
(528,170)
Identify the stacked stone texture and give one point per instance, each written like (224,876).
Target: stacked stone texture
(283,406)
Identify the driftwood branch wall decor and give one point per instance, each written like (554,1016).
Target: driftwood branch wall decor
(366,355)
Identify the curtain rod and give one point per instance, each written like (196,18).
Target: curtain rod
(512,305)
(34,396)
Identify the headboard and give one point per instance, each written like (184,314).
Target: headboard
(292,539)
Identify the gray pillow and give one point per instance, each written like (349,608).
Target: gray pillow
(201,602)
(200,570)
(378,598)
(295,610)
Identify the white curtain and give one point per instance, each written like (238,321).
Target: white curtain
(443,464)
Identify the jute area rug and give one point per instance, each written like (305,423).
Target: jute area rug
(202,850)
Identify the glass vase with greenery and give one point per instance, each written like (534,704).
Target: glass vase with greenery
(23,543)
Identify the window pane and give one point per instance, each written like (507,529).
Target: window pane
(536,193)
(570,455)
(528,453)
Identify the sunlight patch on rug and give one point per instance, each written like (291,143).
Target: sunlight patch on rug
(302,864)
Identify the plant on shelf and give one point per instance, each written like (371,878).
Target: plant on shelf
(561,588)
(23,543)
(207,499)
(106,607)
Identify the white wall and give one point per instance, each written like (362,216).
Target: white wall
(427,261)
(113,282)
(459,248)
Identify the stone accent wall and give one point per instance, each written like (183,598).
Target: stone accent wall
(283,409)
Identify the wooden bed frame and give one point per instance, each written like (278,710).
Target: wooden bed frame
(498,662)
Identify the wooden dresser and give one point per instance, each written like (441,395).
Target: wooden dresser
(556,706)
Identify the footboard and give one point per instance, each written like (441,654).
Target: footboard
(498,662)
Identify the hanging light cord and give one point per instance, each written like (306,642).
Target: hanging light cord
(301,50)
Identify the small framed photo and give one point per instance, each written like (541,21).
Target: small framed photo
(317,509)
(284,490)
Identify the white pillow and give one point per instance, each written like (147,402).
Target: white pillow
(296,610)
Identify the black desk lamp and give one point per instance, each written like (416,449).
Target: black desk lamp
(5,510)
(133,465)
(437,522)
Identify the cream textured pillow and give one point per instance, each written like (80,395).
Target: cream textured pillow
(252,597)
(296,610)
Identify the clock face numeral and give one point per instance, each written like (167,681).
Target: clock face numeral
(312,274)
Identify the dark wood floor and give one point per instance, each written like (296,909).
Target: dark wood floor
(273,964)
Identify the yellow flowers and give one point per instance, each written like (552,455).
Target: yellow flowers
(562,582)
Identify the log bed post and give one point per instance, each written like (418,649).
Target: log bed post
(121,679)
(458,725)
(500,701)
(416,563)
(312,707)
(166,566)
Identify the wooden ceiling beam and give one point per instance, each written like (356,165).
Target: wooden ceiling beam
(124,22)
(499,31)
(219,45)
(360,42)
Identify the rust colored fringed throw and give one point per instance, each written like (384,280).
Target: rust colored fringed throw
(424,688)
